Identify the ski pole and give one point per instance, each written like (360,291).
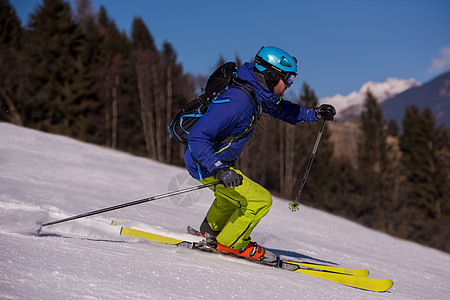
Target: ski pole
(294,206)
(99,211)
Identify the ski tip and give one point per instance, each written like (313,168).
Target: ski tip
(38,231)
(116,223)
(389,284)
(382,285)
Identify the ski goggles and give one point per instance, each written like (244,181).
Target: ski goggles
(289,78)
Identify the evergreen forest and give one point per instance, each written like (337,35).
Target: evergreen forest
(73,72)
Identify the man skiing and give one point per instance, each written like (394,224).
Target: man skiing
(241,203)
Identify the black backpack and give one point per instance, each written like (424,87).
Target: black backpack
(221,80)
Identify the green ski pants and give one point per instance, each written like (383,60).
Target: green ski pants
(236,211)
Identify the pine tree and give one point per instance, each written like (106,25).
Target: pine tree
(393,129)
(148,74)
(442,180)
(425,189)
(122,129)
(10,28)
(374,166)
(86,87)
(13,79)
(53,47)
(178,90)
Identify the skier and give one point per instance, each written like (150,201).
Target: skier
(240,203)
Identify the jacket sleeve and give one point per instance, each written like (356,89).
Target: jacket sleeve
(289,112)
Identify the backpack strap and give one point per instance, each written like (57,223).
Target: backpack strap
(248,89)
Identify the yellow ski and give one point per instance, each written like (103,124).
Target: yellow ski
(350,277)
(150,236)
(355,272)
(371,284)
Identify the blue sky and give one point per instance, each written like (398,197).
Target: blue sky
(340,44)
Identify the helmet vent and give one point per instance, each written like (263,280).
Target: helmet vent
(285,62)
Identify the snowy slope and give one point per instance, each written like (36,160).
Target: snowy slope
(46,177)
(351,104)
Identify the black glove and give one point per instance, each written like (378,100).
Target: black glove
(325,112)
(228,177)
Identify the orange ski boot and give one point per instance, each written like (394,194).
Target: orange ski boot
(253,251)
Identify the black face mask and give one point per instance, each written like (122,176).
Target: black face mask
(271,78)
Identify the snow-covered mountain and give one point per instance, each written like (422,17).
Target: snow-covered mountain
(433,94)
(45,177)
(351,104)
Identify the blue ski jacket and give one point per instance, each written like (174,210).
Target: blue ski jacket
(229,115)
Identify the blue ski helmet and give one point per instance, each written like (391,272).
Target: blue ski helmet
(278,61)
